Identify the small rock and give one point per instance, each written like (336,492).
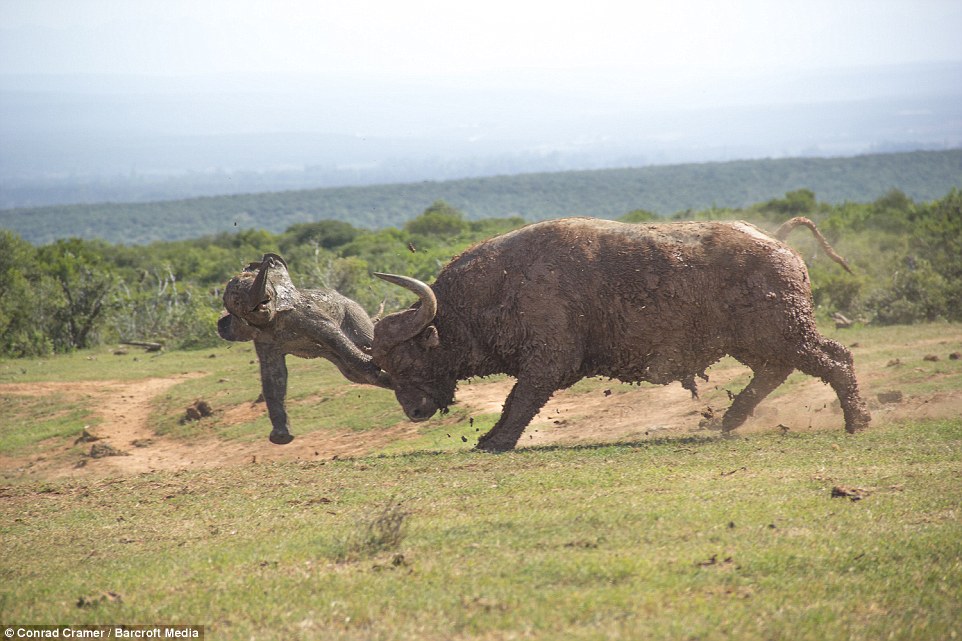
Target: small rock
(100,450)
(200,409)
(844,491)
(86,436)
(97,599)
(932,358)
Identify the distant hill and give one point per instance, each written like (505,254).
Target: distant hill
(922,175)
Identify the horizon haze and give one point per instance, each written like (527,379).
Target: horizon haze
(102,100)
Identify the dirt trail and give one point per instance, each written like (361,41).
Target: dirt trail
(603,413)
(124,409)
(621,412)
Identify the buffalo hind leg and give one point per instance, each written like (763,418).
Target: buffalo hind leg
(833,364)
(523,404)
(767,377)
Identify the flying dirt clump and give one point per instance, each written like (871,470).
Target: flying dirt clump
(557,301)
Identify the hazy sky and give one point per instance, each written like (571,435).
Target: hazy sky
(428,38)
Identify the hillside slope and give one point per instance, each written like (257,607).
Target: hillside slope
(604,193)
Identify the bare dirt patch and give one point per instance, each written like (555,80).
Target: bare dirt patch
(125,444)
(617,412)
(603,411)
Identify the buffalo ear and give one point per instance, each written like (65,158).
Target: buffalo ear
(231,328)
(430,338)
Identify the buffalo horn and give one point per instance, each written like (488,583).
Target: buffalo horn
(429,303)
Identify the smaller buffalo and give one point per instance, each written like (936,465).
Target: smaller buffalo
(264,306)
(560,300)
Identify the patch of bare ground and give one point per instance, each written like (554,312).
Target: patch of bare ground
(123,442)
(616,412)
(602,411)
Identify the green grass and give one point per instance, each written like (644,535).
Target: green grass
(678,538)
(28,421)
(687,537)
(102,364)
(318,398)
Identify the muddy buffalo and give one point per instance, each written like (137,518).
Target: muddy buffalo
(560,300)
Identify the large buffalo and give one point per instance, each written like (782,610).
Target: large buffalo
(556,301)
(264,306)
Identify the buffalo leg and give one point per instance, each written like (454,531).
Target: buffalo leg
(274,386)
(766,379)
(524,402)
(832,363)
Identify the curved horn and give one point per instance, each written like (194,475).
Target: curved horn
(258,290)
(429,302)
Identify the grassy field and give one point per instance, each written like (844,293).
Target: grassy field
(683,536)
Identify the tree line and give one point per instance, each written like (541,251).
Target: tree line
(607,193)
(73,293)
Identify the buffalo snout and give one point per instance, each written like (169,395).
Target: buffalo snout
(417,405)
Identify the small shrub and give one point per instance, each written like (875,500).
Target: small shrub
(383,532)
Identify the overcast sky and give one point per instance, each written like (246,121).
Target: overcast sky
(428,38)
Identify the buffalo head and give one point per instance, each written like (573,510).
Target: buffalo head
(255,297)
(408,347)
(263,306)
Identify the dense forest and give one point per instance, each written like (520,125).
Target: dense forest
(74,293)
(665,190)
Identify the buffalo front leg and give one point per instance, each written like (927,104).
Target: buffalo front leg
(274,386)
(763,383)
(524,402)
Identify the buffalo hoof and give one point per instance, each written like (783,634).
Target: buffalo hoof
(281,438)
(857,426)
(493,448)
